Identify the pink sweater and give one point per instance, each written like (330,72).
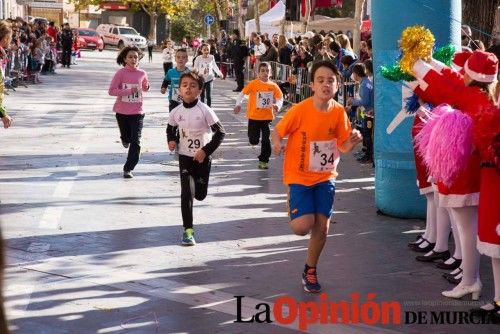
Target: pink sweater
(121,87)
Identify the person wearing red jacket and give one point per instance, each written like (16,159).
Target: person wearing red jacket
(471,93)
(52,32)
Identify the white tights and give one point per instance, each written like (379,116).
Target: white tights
(495,263)
(456,238)
(466,221)
(430,226)
(443,226)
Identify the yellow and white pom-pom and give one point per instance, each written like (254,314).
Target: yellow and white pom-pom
(417,42)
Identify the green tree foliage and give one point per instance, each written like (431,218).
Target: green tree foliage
(183,26)
(173,8)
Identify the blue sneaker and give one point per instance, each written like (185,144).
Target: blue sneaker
(188,237)
(310,281)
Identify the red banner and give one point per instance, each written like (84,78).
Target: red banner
(113,6)
(328,3)
(319,4)
(324,3)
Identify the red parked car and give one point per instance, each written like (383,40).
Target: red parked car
(89,39)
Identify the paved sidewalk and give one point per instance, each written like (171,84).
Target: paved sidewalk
(90,252)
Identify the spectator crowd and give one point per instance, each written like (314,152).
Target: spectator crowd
(36,49)
(296,56)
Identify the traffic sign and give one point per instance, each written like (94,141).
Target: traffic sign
(209,19)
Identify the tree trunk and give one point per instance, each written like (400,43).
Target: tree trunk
(257,15)
(153,17)
(358,18)
(219,14)
(241,24)
(480,15)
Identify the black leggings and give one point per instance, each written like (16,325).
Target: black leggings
(199,173)
(367,133)
(255,128)
(130,132)
(150,53)
(166,67)
(207,92)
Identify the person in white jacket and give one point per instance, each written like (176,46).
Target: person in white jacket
(205,65)
(168,55)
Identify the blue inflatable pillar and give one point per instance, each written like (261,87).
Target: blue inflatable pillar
(396,193)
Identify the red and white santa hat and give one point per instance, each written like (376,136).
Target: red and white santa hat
(459,60)
(482,66)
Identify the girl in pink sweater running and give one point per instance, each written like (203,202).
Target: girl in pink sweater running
(127,85)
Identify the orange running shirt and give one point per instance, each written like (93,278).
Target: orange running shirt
(261,99)
(311,154)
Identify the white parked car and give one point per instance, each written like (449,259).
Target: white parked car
(121,36)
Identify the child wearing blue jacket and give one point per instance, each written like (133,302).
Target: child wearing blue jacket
(172,78)
(366,101)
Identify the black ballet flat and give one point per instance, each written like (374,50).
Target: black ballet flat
(454,280)
(426,249)
(452,266)
(417,242)
(433,256)
(447,275)
(482,313)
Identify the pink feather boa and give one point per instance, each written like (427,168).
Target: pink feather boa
(446,143)
(424,135)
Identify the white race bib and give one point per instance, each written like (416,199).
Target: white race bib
(176,95)
(136,97)
(340,96)
(264,100)
(205,69)
(323,155)
(192,141)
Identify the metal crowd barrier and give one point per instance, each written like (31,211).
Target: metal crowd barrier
(295,83)
(226,67)
(17,70)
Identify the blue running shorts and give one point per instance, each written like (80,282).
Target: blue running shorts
(318,198)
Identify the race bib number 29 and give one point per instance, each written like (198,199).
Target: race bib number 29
(323,156)
(192,141)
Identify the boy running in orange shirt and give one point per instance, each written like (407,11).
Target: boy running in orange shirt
(317,129)
(265,98)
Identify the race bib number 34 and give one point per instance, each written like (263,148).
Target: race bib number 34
(136,97)
(264,100)
(323,156)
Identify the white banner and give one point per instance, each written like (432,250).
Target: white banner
(39,4)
